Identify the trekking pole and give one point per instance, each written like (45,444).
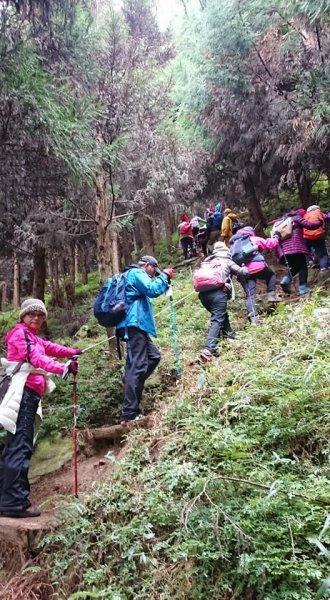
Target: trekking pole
(174,333)
(252,302)
(75,433)
(288,267)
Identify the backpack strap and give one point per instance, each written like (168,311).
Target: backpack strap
(28,346)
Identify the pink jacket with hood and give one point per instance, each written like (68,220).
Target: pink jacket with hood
(259,263)
(37,354)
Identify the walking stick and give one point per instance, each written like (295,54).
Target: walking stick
(288,267)
(174,334)
(75,433)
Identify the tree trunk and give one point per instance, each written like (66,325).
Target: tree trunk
(56,292)
(254,207)
(304,183)
(103,246)
(116,431)
(169,227)
(147,234)
(39,272)
(126,247)
(70,286)
(17,283)
(3,296)
(84,265)
(76,261)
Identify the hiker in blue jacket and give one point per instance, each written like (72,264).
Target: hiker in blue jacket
(144,281)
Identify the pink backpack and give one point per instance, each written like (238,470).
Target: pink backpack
(209,276)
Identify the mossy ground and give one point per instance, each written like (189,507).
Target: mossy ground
(225,497)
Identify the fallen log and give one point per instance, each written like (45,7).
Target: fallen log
(116,431)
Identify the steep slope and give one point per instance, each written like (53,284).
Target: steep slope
(224,497)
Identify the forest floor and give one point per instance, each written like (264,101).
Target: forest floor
(94,465)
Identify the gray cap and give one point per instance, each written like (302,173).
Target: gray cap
(150,260)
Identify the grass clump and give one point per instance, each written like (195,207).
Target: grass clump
(223,499)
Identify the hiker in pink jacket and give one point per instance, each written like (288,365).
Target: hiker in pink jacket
(293,251)
(258,269)
(23,344)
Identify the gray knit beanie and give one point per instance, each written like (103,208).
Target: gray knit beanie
(32,305)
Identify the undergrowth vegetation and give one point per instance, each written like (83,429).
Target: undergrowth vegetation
(226,497)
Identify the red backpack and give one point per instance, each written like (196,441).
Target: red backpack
(313,216)
(209,276)
(185,228)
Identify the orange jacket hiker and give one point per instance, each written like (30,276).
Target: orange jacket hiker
(313,215)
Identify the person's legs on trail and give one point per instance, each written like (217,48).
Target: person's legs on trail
(312,259)
(294,262)
(192,247)
(184,246)
(269,277)
(142,358)
(298,264)
(214,237)
(153,356)
(15,460)
(227,332)
(320,249)
(215,302)
(250,289)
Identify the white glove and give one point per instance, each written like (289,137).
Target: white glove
(169,292)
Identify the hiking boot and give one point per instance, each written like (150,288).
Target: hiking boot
(304,289)
(273,297)
(254,320)
(32,511)
(205,355)
(286,284)
(229,335)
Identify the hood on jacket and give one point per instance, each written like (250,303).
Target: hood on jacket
(248,230)
(220,250)
(184,217)
(231,215)
(217,208)
(301,211)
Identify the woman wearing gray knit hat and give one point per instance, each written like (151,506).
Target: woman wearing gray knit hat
(19,408)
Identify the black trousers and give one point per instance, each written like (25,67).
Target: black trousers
(215,302)
(142,359)
(319,248)
(187,243)
(297,264)
(16,455)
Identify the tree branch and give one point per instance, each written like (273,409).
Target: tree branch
(70,218)
(117,217)
(82,210)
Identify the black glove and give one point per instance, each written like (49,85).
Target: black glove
(277,235)
(70,367)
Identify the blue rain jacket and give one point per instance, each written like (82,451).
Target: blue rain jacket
(139,289)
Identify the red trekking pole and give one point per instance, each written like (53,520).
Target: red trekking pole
(75,433)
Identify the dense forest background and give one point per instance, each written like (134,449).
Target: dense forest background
(110,127)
